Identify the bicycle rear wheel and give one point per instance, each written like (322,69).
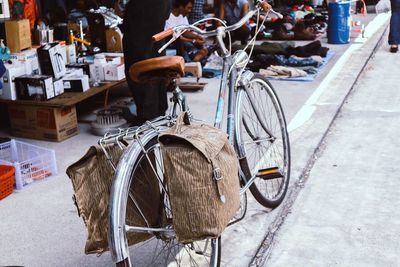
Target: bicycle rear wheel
(263,141)
(140,215)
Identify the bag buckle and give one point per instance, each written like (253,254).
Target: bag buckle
(217,174)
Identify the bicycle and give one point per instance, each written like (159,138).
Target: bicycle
(139,210)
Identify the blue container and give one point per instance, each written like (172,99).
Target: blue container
(339,22)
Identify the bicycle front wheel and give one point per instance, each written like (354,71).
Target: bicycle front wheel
(140,215)
(263,141)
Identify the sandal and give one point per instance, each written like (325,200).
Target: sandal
(394,48)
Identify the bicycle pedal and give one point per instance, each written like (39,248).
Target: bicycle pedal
(269,173)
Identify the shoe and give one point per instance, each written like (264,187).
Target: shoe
(394,48)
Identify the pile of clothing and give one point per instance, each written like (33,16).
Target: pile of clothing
(287,60)
(299,25)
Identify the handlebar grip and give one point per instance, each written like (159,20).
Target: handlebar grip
(162,35)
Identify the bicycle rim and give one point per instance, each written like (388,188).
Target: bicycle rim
(147,207)
(263,141)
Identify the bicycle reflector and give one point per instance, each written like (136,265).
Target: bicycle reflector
(269,173)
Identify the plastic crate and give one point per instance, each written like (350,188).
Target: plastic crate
(30,162)
(6,180)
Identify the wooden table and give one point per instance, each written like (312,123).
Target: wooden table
(68,99)
(54,119)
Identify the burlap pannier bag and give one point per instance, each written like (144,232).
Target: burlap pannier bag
(91,178)
(201,170)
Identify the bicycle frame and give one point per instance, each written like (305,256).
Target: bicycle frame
(231,83)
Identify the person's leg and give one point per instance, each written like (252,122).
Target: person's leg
(394,34)
(242,34)
(150,99)
(195,53)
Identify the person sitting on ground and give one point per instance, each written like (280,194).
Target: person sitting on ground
(197,11)
(232,11)
(190,45)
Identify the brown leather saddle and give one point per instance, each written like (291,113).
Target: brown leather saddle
(159,67)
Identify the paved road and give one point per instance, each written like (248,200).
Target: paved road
(39,225)
(348,212)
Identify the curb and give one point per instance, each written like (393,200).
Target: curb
(311,127)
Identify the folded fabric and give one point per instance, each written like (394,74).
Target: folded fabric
(268,48)
(294,61)
(310,49)
(263,61)
(283,72)
(308,69)
(318,58)
(315,58)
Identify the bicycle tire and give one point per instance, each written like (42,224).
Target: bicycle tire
(260,116)
(164,248)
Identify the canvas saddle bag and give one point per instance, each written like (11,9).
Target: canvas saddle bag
(202,175)
(91,178)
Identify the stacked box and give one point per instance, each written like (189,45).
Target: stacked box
(45,123)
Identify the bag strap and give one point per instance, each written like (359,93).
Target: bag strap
(186,118)
(217,176)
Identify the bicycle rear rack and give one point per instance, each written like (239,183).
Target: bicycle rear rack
(124,136)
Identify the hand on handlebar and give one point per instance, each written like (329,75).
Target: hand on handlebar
(200,40)
(265,6)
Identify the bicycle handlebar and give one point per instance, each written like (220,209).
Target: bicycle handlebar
(162,35)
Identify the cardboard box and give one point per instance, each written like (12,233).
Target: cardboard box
(8,80)
(3,30)
(34,87)
(45,123)
(51,60)
(4,9)
(30,60)
(70,51)
(97,72)
(58,87)
(76,83)
(114,72)
(84,66)
(43,35)
(18,34)
(116,58)
(74,72)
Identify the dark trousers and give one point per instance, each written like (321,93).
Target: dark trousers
(394,34)
(142,20)
(242,34)
(150,100)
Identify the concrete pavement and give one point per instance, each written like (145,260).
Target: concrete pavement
(347,213)
(39,225)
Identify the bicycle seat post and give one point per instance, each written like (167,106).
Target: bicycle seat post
(177,98)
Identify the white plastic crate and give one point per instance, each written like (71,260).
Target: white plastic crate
(31,162)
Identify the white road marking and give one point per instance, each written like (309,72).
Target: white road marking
(307,110)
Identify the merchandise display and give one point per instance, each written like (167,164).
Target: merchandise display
(34,87)
(74,48)
(56,47)
(4,9)
(12,71)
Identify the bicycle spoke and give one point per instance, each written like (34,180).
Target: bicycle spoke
(148,212)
